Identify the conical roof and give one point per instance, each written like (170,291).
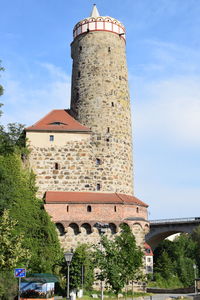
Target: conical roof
(94,12)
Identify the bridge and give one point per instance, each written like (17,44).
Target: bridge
(161,229)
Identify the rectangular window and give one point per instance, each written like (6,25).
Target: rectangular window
(51,138)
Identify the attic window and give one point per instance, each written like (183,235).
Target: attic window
(57,123)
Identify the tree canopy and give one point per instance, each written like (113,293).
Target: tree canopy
(118,260)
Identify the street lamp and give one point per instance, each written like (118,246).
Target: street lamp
(102,229)
(195,275)
(68,259)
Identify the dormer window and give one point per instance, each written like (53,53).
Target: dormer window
(57,123)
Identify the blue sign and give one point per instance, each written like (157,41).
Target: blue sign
(20,272)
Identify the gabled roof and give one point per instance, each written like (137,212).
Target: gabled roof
(58,120)
(91,197)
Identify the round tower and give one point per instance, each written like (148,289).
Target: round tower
(100,98)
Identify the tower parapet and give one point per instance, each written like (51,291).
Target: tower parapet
(99,23)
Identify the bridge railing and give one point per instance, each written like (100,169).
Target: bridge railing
(177,220)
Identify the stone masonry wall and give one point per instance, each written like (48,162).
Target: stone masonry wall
(78,169)
(100,100)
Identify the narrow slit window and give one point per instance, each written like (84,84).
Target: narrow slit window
(112,104)
(79,74)
(137,210)
(67,208)
(56,166)
(98,161)
(51,138)
(80,48)
(115,208)
(108,129)
(98,186)
(109,49)
(89,208)
(77,96)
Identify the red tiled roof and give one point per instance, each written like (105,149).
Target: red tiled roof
(91,197)
(147,250)
(58,120)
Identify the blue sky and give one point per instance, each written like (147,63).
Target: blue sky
(163,53)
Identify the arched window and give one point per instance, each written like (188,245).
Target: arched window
(137,209)
(89,208)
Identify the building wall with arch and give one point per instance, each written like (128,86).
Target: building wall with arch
(71,234)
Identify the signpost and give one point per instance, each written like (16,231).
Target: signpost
(19,273)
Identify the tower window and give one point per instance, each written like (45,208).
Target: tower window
(115,208)
(109,50)
(56,166)
(98,186)
(80,48)
(67,208)
(79,74)
(77,96)
(112,103)
(107,140)
(51,138)
(108,129)
(137,210)
(89,208)
(98,161)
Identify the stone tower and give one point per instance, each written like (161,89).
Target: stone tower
(100,98)
(82,157)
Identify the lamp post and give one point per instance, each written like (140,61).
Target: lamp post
(68,259)
(195,275)
(102,229)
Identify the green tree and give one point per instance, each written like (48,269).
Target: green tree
(12,254)
(175,259)
(81,268)
(119,260)
(12,251)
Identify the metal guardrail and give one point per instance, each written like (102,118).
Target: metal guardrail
(177,220)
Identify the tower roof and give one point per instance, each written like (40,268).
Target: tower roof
(94,12)
(96,22)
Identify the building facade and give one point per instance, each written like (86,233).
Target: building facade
(82,157)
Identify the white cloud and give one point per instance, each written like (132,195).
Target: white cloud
(27,105)
(169,109)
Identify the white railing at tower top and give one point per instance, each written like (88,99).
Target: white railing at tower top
(177,220)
